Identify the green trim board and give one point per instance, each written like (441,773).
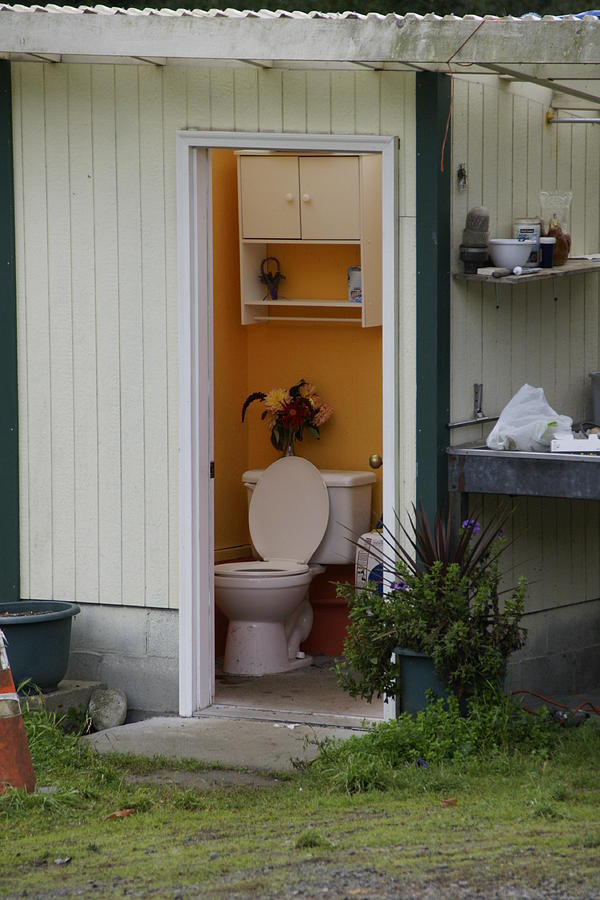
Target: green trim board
(9,402)
(433,102)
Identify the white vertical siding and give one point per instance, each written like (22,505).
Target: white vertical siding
(61,333)
(34,212)
(505,337)
(97,293)
(108,369)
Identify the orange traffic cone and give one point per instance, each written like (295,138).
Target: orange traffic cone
(16,768)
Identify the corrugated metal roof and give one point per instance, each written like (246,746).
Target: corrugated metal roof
(547,50)
(230,13)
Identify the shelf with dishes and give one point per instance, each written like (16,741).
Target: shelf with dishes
(573,266)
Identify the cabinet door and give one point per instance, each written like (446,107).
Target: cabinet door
(269,197)
(329,198)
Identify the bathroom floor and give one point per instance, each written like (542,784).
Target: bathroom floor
(307,694)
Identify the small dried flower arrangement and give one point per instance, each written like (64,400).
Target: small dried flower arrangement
(270,278)
(289,412)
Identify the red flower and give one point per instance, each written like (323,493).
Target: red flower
(296,412)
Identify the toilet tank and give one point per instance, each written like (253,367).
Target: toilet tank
(349,512)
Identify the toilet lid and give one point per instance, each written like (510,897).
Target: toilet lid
(289,510)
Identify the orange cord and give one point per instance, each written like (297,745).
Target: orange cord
(584,706)
(447,122)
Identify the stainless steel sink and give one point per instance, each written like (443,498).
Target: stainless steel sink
(473,468)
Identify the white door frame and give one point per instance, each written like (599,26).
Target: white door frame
(194,241)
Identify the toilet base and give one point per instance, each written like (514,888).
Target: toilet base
(259,649)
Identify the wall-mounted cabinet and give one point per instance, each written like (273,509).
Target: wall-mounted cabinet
(292,203)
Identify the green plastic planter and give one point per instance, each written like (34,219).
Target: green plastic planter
(417,676)
(38,645)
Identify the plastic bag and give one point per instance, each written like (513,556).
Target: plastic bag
(528,422)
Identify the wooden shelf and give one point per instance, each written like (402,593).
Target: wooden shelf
(283,320)
(296,241)
(337,304)
(571,267)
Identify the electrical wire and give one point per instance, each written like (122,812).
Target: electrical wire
(586,706)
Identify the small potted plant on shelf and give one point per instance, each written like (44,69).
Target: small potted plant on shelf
(289,412)
(443,616)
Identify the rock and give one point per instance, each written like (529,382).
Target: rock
(107,709)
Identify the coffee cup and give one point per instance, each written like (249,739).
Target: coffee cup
(547,251)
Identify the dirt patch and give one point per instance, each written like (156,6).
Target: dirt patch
(344,883)
(206,780)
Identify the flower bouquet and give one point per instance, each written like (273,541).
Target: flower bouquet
(288,412)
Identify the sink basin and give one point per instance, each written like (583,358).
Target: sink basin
(473,468)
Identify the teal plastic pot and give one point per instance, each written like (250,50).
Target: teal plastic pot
(417,676)
(38,644)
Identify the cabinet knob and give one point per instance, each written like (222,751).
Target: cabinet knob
(306,198)
(289,198)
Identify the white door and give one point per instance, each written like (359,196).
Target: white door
(196,536)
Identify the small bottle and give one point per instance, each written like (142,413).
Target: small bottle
(563,242)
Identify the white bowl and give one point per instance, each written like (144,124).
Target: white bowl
(507,253)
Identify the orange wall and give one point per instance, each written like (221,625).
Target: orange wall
(344,361)
(230,359)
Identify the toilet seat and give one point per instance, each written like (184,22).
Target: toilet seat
(261,568)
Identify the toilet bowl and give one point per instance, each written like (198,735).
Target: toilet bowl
(266,600)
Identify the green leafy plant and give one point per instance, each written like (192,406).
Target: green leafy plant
(444,601)
(405,749)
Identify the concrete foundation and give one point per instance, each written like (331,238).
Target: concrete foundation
(562,653)
(134,649)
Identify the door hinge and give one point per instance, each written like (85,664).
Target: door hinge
(212,468)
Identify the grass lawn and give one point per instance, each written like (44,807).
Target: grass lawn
(527,820)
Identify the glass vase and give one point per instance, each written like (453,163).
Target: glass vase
(290,445)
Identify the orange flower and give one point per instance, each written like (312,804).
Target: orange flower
(322,415)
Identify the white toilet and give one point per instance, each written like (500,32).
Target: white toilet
(266,600)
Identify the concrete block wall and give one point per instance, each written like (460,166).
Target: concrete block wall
(562,653)
(131,648)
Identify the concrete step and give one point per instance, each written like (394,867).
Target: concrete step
(248,743)
(70,694)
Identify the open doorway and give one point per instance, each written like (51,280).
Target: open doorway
(327,347)
(347,363)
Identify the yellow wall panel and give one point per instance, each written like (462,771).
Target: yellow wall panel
(230,356)
(344,361)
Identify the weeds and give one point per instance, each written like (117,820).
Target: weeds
(311,839)
(397,753)
(591,841)
(53,743)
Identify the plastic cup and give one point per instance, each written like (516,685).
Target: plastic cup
(547,250)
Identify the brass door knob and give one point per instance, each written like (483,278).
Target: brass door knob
(375,461)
